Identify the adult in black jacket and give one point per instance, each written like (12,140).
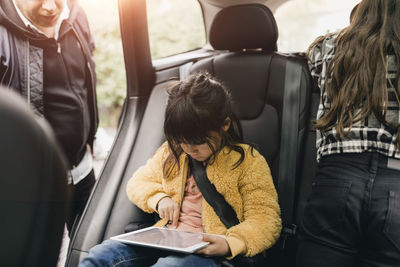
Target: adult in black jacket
(46,56)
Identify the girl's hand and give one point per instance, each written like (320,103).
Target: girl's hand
(217,247)
(168,209)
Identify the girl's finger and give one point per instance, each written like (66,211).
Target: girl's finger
(203,251)
(209,238)
(175,217)
(171,215)
(165,214)
(161,213)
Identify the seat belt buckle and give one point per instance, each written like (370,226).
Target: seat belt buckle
(288,231)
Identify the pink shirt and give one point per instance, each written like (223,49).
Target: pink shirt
(190,215)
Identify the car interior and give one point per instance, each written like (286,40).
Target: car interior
(275,100)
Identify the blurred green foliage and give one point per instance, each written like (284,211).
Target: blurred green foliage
(175,26)
(168,36)
(110,69)
(111,80)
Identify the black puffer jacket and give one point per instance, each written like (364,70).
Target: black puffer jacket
(56,77)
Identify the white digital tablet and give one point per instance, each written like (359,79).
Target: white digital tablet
(164,238)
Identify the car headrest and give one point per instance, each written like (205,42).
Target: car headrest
(33,186)
(251,26)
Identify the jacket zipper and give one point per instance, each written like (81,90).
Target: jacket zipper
(91,72)
(11,77)
(28,70)
(184,177)
(202,206)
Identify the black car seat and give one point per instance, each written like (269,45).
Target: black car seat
(33,196)
(272,92)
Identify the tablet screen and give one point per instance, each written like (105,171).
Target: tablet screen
(164,238)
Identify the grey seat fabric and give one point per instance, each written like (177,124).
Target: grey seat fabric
(33,187)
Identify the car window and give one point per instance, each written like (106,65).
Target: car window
(110,71)
(175,26)
(301,21)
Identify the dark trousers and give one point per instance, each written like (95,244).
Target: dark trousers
(352,217)
(79,195)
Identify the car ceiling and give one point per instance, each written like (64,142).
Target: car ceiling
(211,7)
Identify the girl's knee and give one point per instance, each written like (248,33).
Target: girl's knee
(107,246)
(108,253)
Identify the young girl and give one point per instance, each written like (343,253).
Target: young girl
(353,214)
(199,123)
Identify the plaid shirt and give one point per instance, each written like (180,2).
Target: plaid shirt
(366,135)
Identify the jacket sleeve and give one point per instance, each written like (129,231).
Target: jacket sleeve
(145,188)
(261,224)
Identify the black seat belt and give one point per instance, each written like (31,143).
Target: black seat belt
(225,212)
(289,146)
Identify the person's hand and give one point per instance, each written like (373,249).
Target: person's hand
(218,246)
(168,209)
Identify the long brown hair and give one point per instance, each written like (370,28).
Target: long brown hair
(356,83)
(197,106)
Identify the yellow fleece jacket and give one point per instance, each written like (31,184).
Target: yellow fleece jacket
(249,189)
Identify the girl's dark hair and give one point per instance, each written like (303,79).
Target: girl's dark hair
(197,106)
(356,83)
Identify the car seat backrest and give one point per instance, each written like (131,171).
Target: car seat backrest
(259,79)
(33,187)
(255,74)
